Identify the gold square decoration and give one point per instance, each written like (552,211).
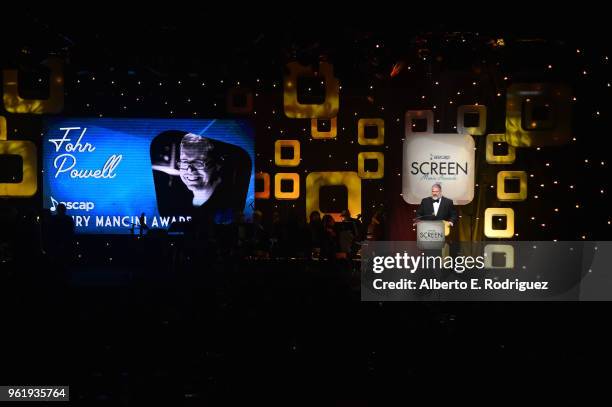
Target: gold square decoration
(295,180)
(502,195)
(371,155)
(361,137)
(508,232)
(289,162)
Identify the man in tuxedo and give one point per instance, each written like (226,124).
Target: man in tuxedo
(437,207)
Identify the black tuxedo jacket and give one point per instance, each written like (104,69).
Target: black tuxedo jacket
(446,211)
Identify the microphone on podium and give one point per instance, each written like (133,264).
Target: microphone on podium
(422,217)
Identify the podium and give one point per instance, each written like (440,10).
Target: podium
(430,235)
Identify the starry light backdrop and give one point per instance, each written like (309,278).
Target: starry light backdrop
(156,73)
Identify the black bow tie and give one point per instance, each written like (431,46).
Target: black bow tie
(436,200)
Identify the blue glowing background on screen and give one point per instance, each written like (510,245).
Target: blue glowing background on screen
(120,151)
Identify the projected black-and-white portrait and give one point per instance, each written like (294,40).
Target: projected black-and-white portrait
(196,174)
(200,165)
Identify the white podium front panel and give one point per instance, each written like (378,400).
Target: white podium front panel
(430,234)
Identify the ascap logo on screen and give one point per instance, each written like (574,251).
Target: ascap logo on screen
(84,206)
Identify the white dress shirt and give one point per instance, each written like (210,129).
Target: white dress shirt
(436,205)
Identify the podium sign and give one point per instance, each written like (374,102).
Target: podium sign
(430,235)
